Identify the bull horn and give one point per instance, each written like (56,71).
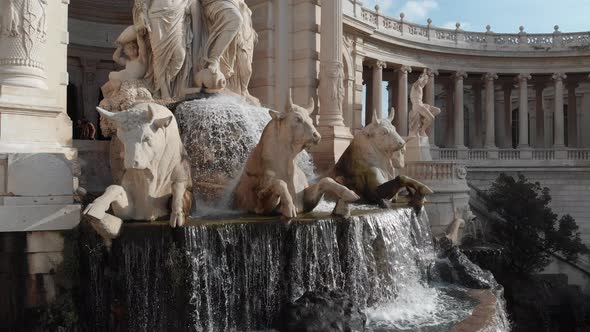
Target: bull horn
(310,106)
(402,146)
(391,115)
(290,100)
(105,113)
(150,112)
(375,118)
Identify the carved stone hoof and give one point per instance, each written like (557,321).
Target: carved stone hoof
(108,227)
(342,209)
(212,82)
(386,204)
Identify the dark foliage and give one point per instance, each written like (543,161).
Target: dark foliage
(531,231)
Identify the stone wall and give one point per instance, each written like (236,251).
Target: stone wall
(28,264)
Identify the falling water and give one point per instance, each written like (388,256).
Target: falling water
(242,273)
(219,132)
(235,275)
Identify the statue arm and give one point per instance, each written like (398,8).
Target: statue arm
(140,16)
(118,57)
(143,56)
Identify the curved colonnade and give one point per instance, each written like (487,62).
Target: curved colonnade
(497,91)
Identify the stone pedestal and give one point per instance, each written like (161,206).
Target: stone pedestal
(448,180)
(334,142)
(418,149)
(38,166)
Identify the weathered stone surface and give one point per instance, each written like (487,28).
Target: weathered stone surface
(322,311)
(454,267)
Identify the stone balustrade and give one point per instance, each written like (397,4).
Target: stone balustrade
(511,154)
(489,40)
(435,170)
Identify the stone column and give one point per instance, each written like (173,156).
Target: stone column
(477,123)
(507,125)
(331,91)
(459,123)
(490,142)
(23,42)
(402,100)
(37,161)
(335,136)
(429,95)
(377,67)
(368,100)
(572,115)
(540,112)
(449,137)
(558,132)
(523,111)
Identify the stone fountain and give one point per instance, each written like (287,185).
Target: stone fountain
(277,231)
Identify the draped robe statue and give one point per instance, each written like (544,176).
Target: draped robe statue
(212,39)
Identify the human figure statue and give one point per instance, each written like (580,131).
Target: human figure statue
(168,26)
(131,53)
(422,115)
(212,39)
(224,45)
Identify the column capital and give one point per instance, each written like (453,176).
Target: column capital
(431,72)
(378,64)
(490,76)
(559,76)
(459,75)
(523,77)
(404,69)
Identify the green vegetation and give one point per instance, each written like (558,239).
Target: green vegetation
(531,231)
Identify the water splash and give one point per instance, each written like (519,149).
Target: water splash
(219,133)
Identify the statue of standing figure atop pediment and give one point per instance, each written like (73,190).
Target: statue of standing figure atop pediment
(197,45)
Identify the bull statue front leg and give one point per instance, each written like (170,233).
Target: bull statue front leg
(314,193)
(276,194)
(181,204)
(417,190)
(107,225)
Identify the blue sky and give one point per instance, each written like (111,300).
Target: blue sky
(537,16)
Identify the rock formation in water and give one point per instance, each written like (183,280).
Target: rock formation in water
(322,311)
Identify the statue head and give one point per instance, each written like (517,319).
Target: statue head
(296,124)
(141,133)
(382,135)
(131,50)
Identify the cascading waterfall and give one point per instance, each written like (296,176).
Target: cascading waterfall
(235,275)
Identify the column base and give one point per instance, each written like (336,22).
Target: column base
(334,142)
(525,152)
(41,188)
(462,152)
(560,151)
(492,151)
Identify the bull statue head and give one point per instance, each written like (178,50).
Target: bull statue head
(141,133)
(296,124)
(383,137)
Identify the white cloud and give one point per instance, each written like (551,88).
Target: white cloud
(417,10)
(452,25)
(385,6)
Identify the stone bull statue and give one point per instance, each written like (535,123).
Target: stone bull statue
(156,181)
(368,165)
(271,181)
